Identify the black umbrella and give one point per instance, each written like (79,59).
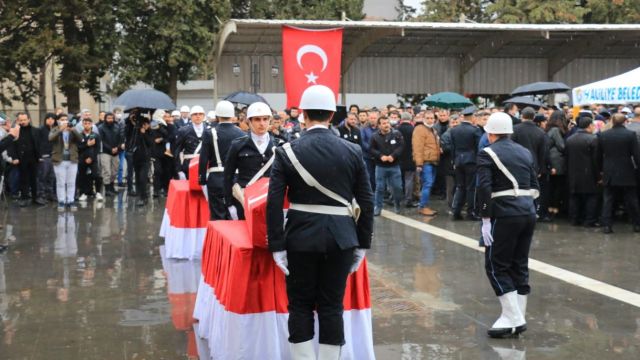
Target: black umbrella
(540,88)
(246,98)
(525,101)
(145,99)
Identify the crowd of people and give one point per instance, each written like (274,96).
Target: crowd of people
(585,162)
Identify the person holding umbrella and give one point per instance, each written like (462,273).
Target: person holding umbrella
(507,185)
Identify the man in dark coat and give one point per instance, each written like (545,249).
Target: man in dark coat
(529,135)
(350,131)
(619,155)
(322,242)
(28,152)
(407,166)
(464,144)
(582,170)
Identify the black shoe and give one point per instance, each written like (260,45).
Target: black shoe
(3,248)
(472,217)
(377,212)
(457,217)
(23,203)
(607,229)
(411,204)
(156,195)
(594,224)
(636,228)
(40,201)
(507,332)
(132,193)
(545,219)
(141,202)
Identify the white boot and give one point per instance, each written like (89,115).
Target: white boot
(303,351)
(522,304)
(329,352)
(511,321)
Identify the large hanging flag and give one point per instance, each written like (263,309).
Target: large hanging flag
(310,57)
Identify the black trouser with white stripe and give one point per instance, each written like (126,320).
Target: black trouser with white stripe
(507,259)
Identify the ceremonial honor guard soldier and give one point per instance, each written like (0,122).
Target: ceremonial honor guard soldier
(250,155)
(507,186)
(329,224)
(189,142)
(215,146)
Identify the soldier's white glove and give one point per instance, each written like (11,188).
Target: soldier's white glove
(280,257)
(205,191)
(233,212)
(487,237)
(182,176)
(358,256)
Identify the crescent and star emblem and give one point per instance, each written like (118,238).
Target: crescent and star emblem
(312,49)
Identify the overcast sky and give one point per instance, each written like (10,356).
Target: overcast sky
(415,3)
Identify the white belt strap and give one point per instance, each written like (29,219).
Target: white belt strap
(195,154)
(516,188)
(214,134)
(261,172)
(353,207)
(321,209)
(216,169)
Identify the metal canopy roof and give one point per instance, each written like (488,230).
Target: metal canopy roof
(420,39)
(449,51)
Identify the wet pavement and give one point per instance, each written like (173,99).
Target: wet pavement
(93,285)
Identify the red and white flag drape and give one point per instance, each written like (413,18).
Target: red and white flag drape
(310,57)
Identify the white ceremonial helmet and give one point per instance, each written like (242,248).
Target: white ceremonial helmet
(184,108)
(225,109)
(258,109)
(499,123)
(318,97)
(197,110)
(211,114)
(175,113)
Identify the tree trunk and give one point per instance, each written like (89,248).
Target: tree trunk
(173,84)
(73,99)
(42,92)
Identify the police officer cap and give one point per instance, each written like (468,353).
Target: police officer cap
(175,113)
(499,123)
(318,97)
(225,109)
(468,111)
(197,110)
(184,108)
(258,109)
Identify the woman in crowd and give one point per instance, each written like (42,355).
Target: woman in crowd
(556,129)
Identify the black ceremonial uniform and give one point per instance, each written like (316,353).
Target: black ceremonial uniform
(464,144)
(245,157)
(187,143)
(318,244)
(513,218)
(211,171)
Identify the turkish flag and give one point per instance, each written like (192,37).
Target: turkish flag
(310,57)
